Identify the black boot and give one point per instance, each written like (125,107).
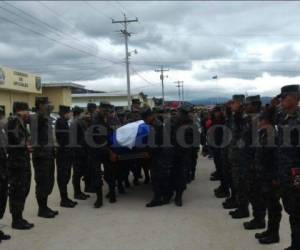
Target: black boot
(240,213)
(230,203)
(255,224)
(121,189)
(178,198)
(19,223)
(261,235)
(270,239)
(99,201)
(155,203)
(112,197)
(44,211)
(4,236)
(67,203)
(81,196)
(222,193)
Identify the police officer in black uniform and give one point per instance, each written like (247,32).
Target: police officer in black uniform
(267,179)
(64,155)
(289,159)
(19,169)
(91,111)
(43,156)
(77,128)
(3,170)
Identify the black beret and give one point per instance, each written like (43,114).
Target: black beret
(289,90)
(64,109)
(41,100)
(239,98)
(253,99)
(20,106)
(91,107)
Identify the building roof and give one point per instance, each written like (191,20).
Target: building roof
(101,95)
(62,84)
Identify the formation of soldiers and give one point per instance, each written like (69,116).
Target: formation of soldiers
(78,145)
(256,151)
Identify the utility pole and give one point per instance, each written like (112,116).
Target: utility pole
(126,35)
(178,85)
(182,90)
(162,77)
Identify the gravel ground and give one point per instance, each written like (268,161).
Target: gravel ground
(127,225)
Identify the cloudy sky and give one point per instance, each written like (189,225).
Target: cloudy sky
(253,47)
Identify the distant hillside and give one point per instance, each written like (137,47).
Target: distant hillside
(216,100)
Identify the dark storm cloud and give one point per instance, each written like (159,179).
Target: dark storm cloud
(176,34)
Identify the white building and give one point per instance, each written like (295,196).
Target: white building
(118,100)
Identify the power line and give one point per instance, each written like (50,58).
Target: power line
(161,71)
(96,10)
(126,34)
(39,21)
(57,41)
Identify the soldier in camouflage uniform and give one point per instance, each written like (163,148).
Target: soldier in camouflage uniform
(235,149)
(3,170)
(19,169)
(289,159)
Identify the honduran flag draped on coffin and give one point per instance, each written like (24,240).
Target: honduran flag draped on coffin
(130,135)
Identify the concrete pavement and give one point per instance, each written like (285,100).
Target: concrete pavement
(127,225)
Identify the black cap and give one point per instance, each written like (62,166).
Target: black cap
(77,110)
(105,105)
(41,100)
(20,106)
(91,107)
(64,109)
(239,98)
(253,99)
(146,113)
(289,90)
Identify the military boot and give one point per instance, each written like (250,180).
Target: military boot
(240,213)
(261,235)
(112,197)
(19,223)
(4,236)
(44,211)
(178,198)
(222,193)
(99,201)
(271,236)
(230,203)
(81,196)
(255,224)
(67,203)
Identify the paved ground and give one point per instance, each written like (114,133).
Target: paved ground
(127,225)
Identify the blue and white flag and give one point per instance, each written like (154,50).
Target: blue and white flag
(130,135)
